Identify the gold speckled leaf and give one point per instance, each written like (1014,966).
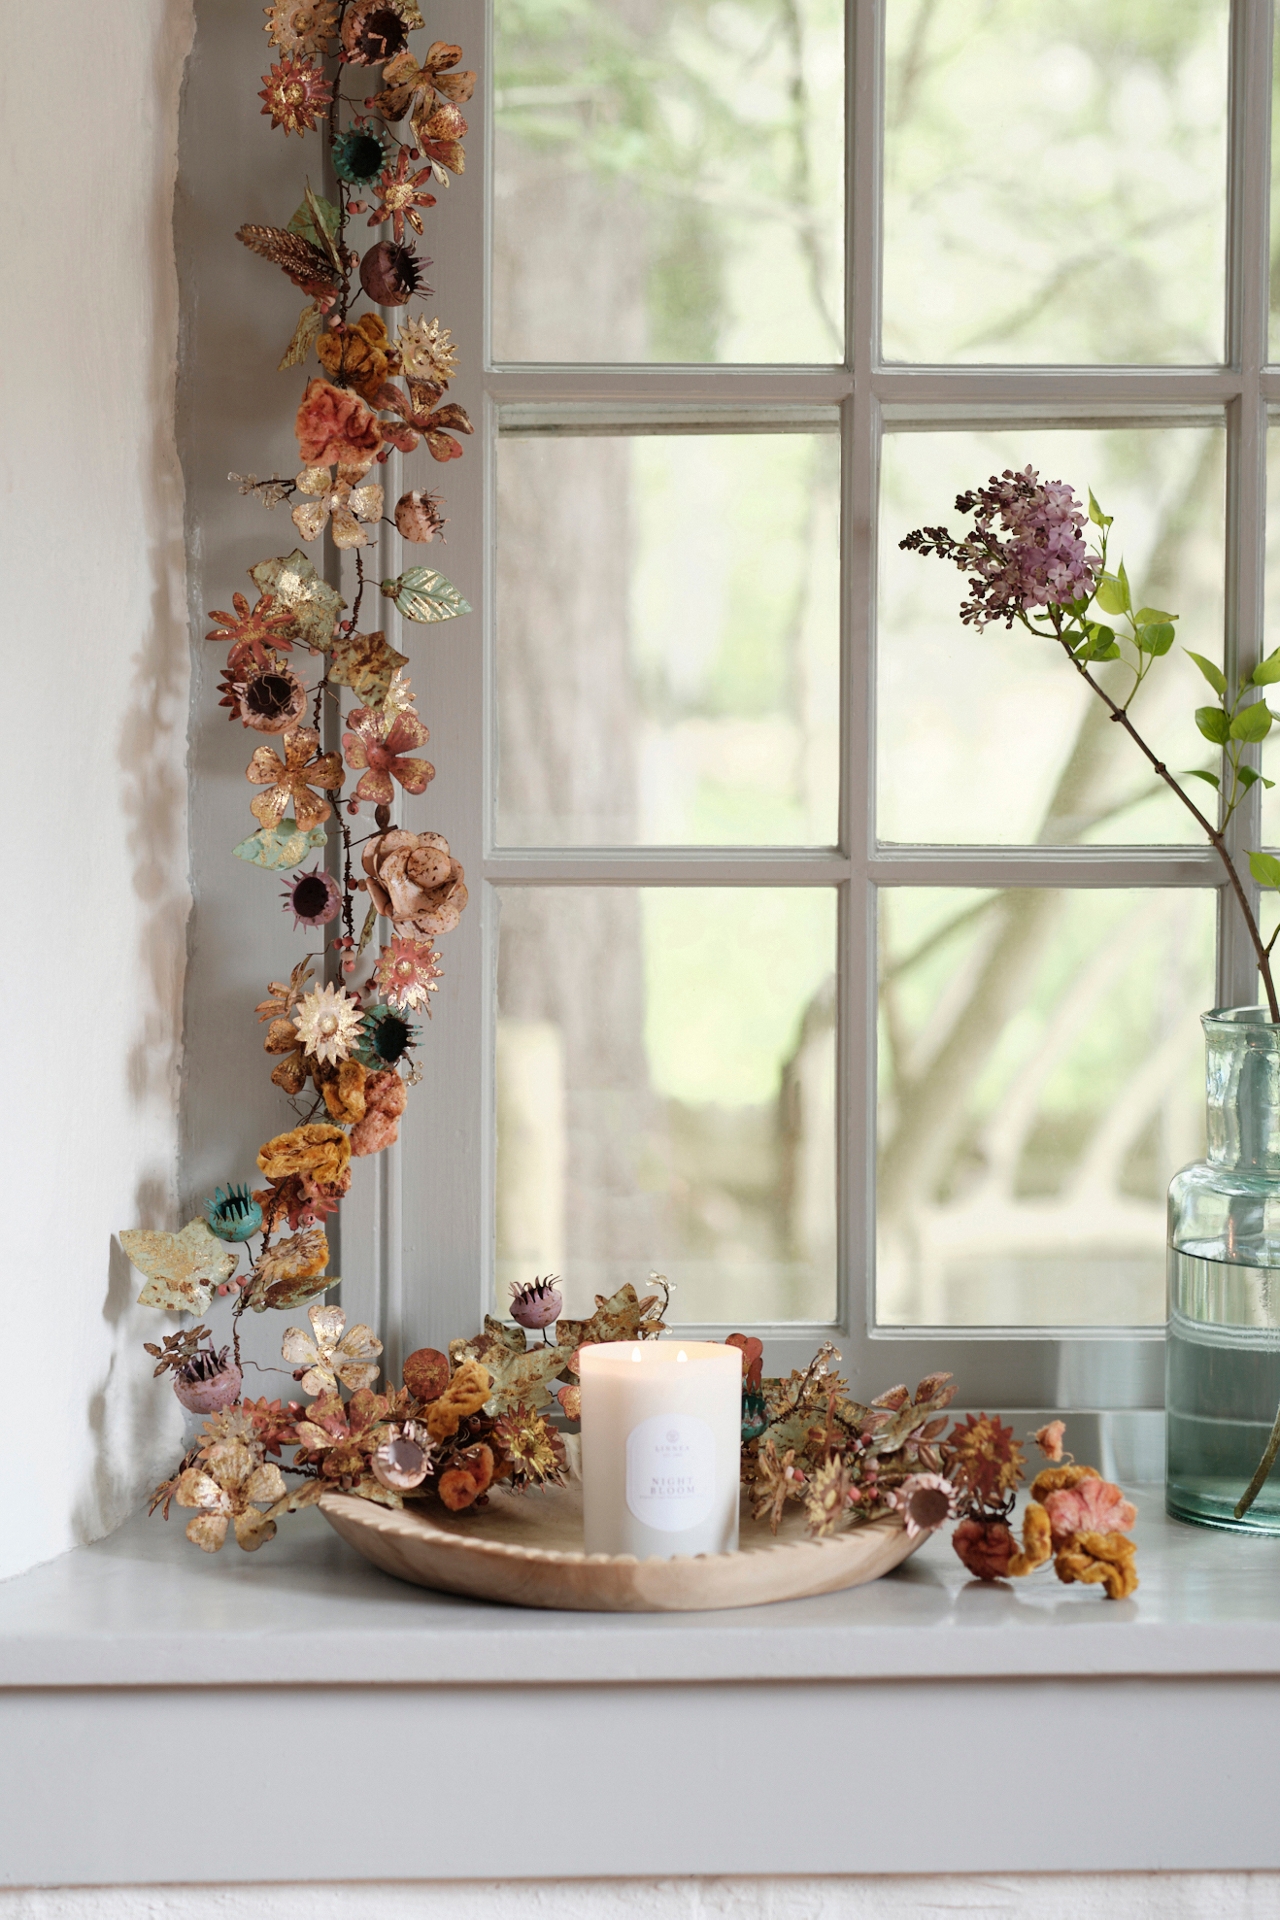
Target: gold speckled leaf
(312,602)
(365,663)
(278,848)
(422,594)
(524,1378)
(182,1268)
(282,1295)
(305,335)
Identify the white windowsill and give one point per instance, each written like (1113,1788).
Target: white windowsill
(1147,1724)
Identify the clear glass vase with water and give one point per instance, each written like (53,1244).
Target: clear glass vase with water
(1223,1367)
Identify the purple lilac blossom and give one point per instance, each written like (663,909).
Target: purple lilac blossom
(1026,550)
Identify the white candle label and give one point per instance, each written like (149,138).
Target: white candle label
(671,1471)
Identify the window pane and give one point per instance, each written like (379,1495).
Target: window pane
(668,640)
(668,181)
(1270,759)
(991,738)
(1055,181)
(1041,1080)
(666,1096)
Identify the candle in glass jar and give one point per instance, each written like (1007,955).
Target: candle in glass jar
(661,1442)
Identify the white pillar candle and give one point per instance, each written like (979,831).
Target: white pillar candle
(661,1441)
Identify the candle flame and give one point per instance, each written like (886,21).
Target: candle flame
(682,1355)
(635,1353)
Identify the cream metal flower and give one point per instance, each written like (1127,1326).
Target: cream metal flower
(302,26)
(925,1501)
(427,351)
(340,503)
(335,1353)
(230,1490)
(329,1022)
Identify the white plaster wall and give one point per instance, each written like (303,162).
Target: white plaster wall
(95,720)
(1134,1896)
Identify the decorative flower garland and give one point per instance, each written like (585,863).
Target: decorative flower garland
(490,1413)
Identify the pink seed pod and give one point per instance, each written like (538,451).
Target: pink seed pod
(538,1304)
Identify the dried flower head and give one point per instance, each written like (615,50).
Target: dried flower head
(407,972)
(373,31)
(391,274)
(427,351)
(1049,1439)
(985,1457)
(925,1501)
(296,95)
(777,1478)
(532,1450)
(538,1303)
(1026,549)
(302,26)
(314,898)
(418,516)
(332,1352)
(271,701)
(328,1021)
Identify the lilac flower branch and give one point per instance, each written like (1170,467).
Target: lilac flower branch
(1026,552)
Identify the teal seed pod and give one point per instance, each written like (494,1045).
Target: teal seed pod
(385,1038)
(232,1213)
(358,156)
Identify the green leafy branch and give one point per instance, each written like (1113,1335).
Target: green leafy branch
(1235,724)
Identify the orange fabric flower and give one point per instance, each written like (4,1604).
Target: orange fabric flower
(1093,1506)
(358,356)
(334,426)
(470,1475)
(1100,1559)
(289,781)
(317,1152)
(987,1547)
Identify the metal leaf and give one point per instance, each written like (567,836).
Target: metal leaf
(305,335)
(279,848)
(423,595)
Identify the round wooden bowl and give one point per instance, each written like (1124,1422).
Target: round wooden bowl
(526,1550)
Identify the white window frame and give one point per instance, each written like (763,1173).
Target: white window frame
(421,1230)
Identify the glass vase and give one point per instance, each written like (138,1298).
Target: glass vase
(1223,1364)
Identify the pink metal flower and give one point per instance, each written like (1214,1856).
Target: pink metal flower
(407,972)
(314,899)
(925,1501)
(381,748)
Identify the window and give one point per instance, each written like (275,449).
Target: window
(828,957)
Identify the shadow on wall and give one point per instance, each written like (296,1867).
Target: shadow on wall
(134,1429)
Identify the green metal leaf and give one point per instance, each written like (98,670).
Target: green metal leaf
(423,595)
(278,848)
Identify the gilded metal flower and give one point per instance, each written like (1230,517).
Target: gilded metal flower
(339,502)
(302,26)
(408,87)
(380,749)
(290,781)
(984,1456)
(283,996)
(533,1448)
(230,1490)
(329,1023)
(407,972)
(439,135)
(420,417)
(296,95)
(314,604)
(256,633)
(272,701)
(300,1257)
(403,1461)
(314,898)
(427,351)
(331,1352)
(400,194)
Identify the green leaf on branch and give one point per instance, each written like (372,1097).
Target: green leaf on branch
(1212,674)
(1112,592)
(1098,517)
(1265,869)
(1249,777)
(1213,724)
(1266,670)
(1198,773)
(1252,723)
(1151,616)
(424,595)
(1099,643)
(1155,639)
